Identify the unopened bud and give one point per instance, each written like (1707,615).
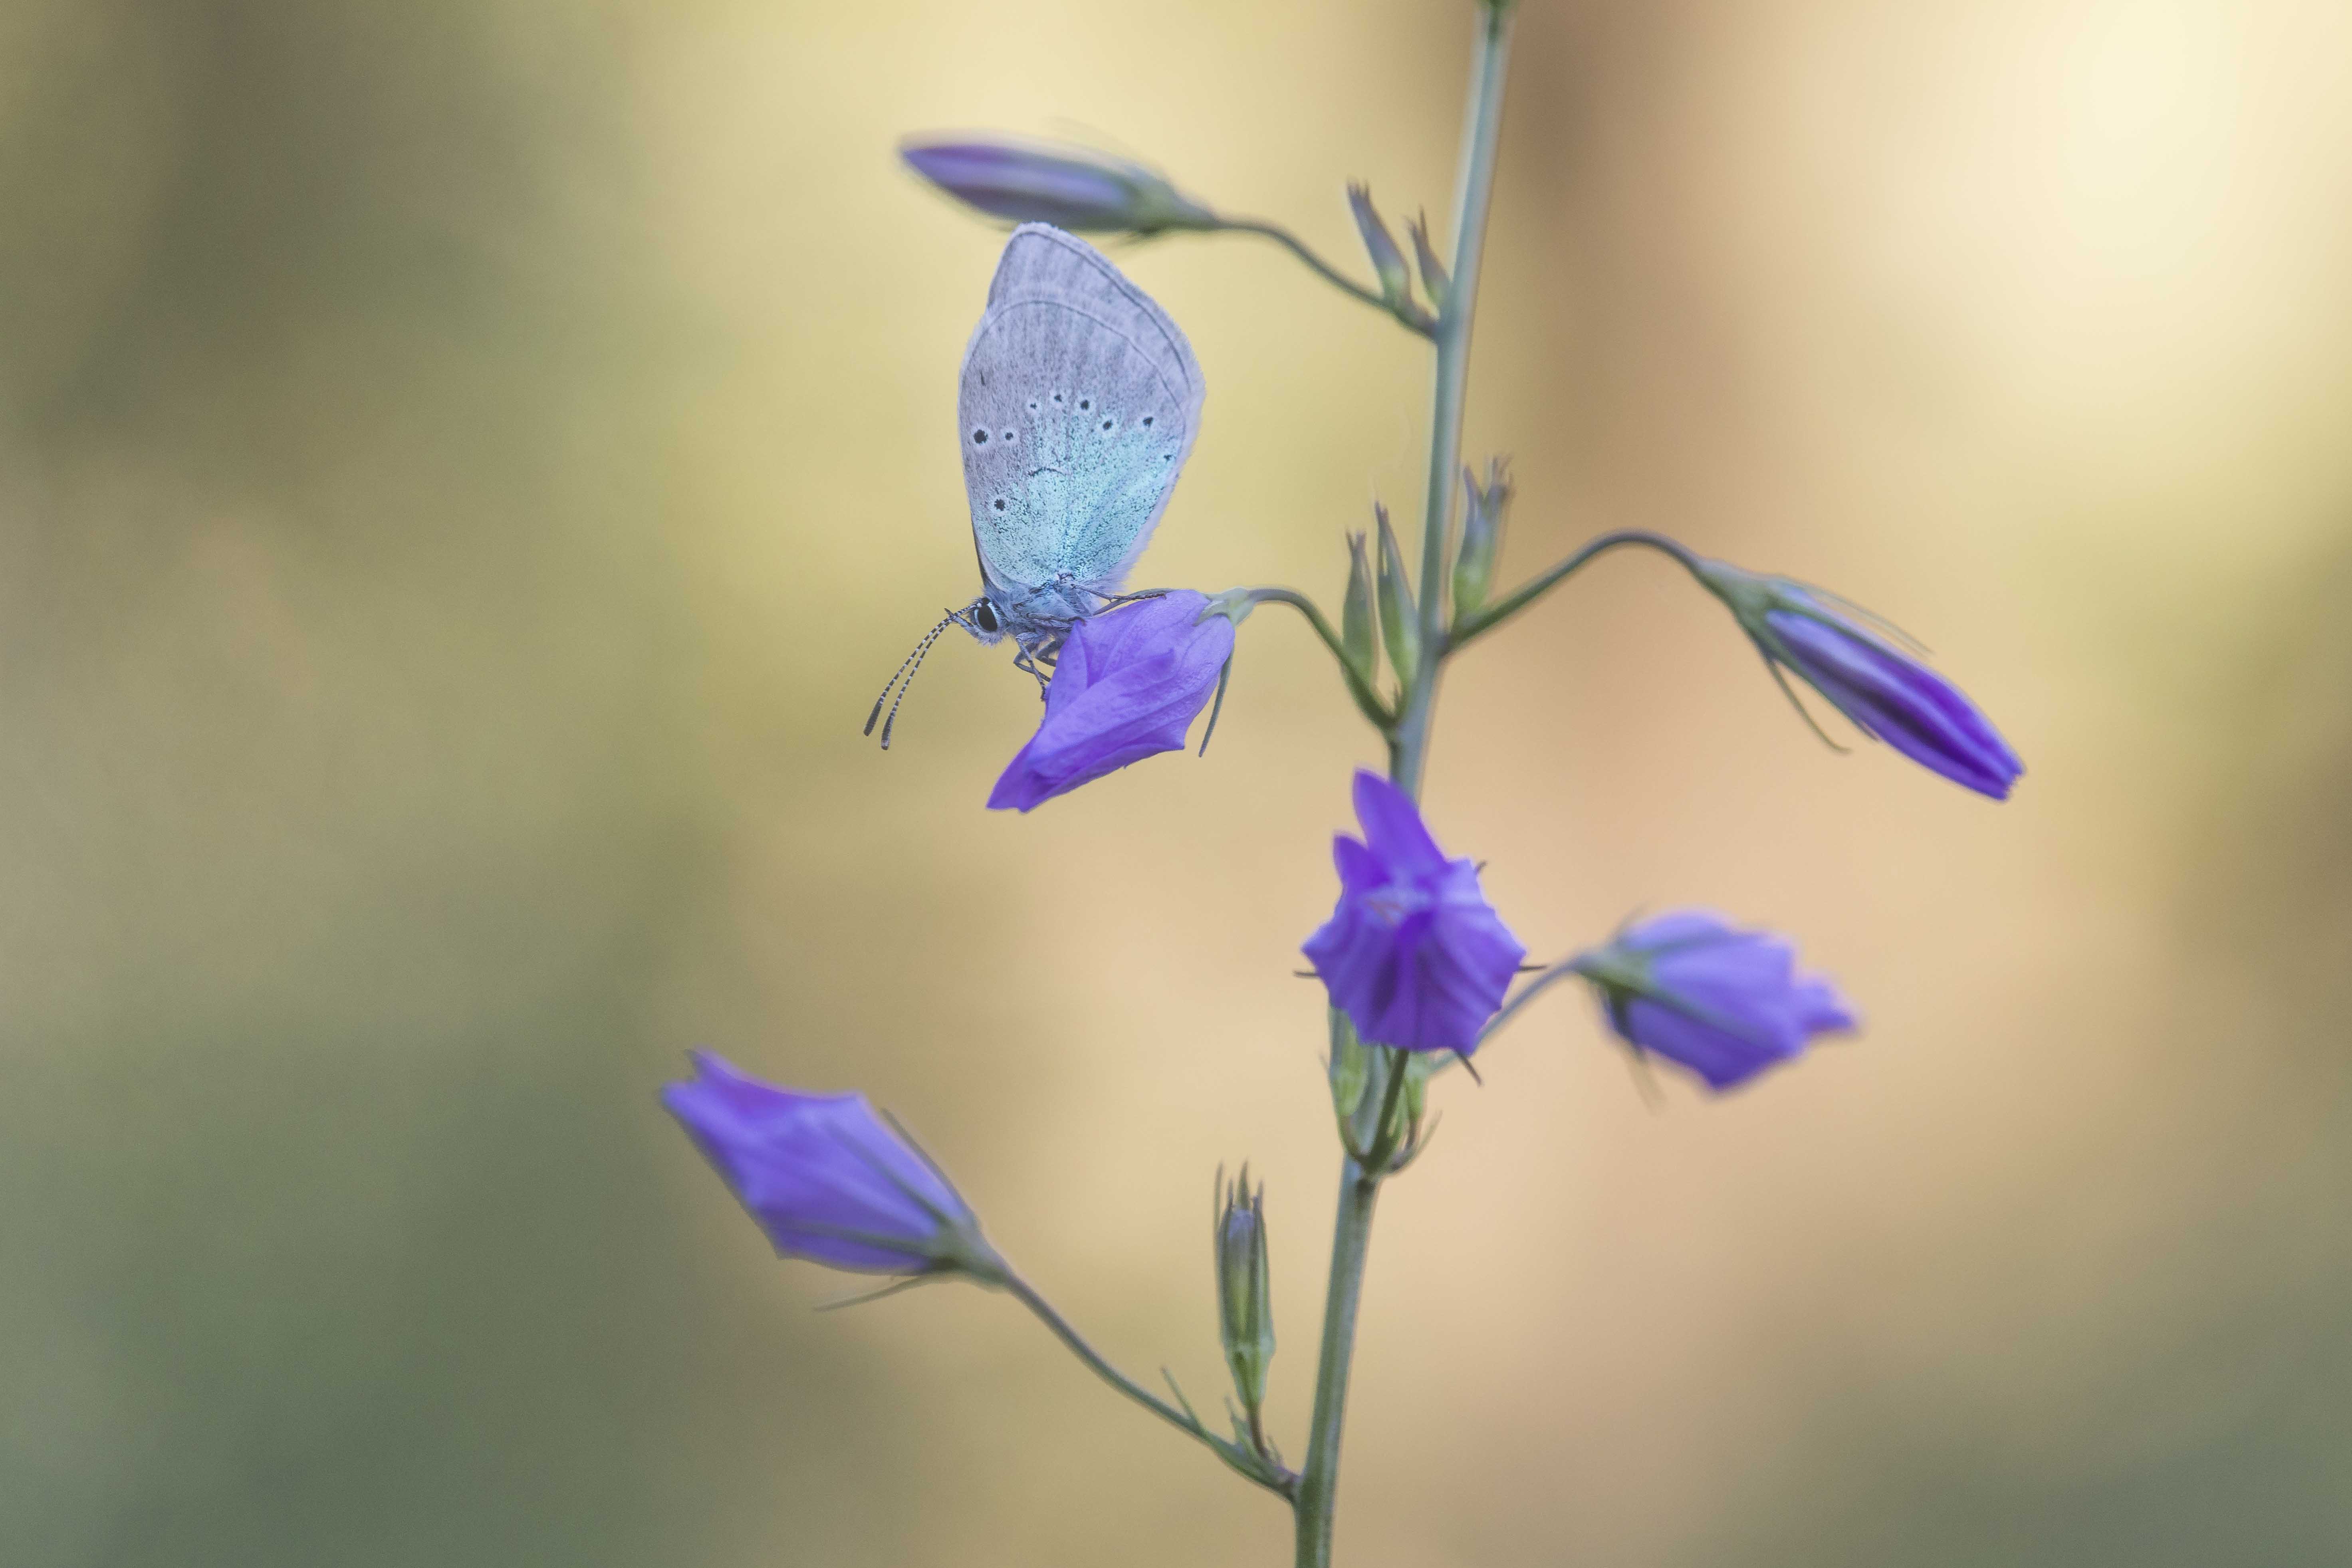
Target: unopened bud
(1871,672)
(1482,535)
(1060,182)
(1244,1289)
(1388,261)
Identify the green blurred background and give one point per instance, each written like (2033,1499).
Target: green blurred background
(465,469)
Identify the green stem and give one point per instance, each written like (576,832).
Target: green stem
(1502,609)
(1408,744)
(1328,273)
(1473,196)
(1350,1240)
(1183,1421)
(1360,690)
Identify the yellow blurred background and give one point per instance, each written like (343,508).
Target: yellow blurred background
(465,467)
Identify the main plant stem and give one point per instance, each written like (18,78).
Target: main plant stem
(1472,193)
(1351,1236)
(1409,749)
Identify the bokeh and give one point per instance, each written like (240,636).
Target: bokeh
(465,469)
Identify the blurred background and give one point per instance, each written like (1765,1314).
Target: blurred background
(465,469)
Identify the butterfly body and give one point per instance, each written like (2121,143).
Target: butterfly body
(1078,403)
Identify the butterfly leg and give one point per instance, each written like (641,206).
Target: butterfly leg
(1022,660)
(1110,601)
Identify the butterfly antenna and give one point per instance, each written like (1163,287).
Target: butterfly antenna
(901,679)
(914,663)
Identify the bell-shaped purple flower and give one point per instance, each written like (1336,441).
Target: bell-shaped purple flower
(1128,685)
(827,1178)
(1723,1002)
(1060,182)
(1866,675)
(1413,955)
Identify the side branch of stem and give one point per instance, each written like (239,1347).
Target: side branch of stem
(1255,1467)
(1486,619)
(1322,268)
(1359,688)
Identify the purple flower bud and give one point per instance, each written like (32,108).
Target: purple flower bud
(1413,953)
(826,1178)
(1128,685)
(1059,182)
(1723,1002)
(1887,693)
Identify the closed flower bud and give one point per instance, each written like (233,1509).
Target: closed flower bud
(1413,953)
(1400,621)
(1244,1289)
(1357,614)
(1060,182)
(826,1178)
(1128,685)
(1860,668)
(1725,1002)
(1388,261)
(1482,535)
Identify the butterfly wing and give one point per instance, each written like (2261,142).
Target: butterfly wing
(1079,401)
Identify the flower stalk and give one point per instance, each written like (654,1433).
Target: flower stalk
(1316,1496)
(1251,1462)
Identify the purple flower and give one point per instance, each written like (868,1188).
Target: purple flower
(1725,1002)
(1070,186)
(1128,685)
(1413,955)
(1888,694)
(825,1178)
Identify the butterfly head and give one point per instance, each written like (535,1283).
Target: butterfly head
(983,620)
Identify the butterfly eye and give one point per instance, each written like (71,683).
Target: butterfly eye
(979,437)
(986,613)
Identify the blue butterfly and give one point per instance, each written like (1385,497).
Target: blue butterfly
(1078,403)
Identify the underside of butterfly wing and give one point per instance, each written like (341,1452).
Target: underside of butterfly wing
(1079,402)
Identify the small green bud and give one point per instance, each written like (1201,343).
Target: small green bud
(1388,261)
(1482,536)
(1400,623)
(1244,1289)
(1356,616)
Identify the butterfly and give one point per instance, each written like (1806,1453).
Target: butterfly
(1078,403)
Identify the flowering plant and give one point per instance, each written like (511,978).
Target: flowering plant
(1418,966)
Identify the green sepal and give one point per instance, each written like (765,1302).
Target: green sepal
(1350,1067)
(1433,280)
(1400,622)
(1357,614)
